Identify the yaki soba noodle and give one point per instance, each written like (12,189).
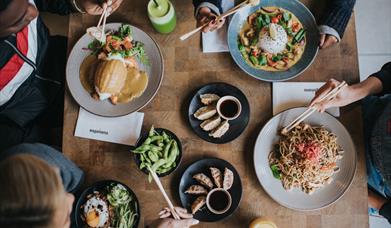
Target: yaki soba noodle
(306,158)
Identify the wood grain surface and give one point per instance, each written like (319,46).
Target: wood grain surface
(186,69)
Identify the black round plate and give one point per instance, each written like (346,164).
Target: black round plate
(144,136)
(100,187)
(237,126)
(202,166)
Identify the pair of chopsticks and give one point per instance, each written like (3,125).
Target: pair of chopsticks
(160,186)
(98,32)
(222,16)
(103,18)
(329,96)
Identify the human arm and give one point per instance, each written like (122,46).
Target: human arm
(65,7)
(62,7)
(380,203)
(378,83)
(206,11)
(333,23)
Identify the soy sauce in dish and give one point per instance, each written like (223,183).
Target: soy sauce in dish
(229,108)
(218,200)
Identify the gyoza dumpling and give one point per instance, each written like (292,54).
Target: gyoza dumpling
(228,179)
(211,123)
(220,130)
(205,112)
(204,180)
(197,204)
(196,190)
(209,98)
(217,176)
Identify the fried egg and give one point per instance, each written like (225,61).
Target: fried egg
(96,212)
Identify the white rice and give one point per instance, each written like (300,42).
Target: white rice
(269,45)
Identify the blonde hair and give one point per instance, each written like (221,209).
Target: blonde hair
(30,192)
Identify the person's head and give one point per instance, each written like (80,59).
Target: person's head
(15,15)
(32,194)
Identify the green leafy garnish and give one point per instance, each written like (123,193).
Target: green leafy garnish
(277,58)
(276,172)
(262,60)
(286,16)
(125,30)
(266,19)
(259,22)
(139,51)
(123,35)
(254,60)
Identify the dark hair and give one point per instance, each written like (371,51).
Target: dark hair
(4,4)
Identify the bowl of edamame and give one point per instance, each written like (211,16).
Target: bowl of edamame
(159,149)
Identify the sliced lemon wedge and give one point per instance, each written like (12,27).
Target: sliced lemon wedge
(273,31)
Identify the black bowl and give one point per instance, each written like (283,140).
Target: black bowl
(202,166)
(237,126)
(100,187)
(178,160)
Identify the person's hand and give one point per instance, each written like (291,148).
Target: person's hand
(95,7)
(326,40)
(375,200)
(172,223)
(166,221)
(182,212)
(345,97)
(205,15)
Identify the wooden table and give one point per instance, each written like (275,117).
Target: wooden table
(187,68)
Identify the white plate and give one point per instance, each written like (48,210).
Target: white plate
(296,199)
(105,108)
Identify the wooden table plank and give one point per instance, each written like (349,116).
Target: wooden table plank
(187,68)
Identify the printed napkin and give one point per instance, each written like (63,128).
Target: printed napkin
(122,130)
(216,41)
(288,95)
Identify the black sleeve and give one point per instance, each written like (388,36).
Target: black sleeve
(385,211)
(62,7)
(216,3)
(384,75)
(337,14)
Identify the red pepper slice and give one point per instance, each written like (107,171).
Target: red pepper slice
(275,20)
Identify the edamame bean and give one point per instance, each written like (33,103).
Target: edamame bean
(156,138)
(157,164)
(166,149)
(152,156)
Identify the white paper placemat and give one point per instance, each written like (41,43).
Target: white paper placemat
(122,130)
(216,41)
(288,95)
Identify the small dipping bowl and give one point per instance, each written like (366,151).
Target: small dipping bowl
(229,107)
(218,201)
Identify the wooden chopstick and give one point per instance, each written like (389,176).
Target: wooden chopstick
(160,186)
(222,16)
(103,33)
(101,17)
(329,96)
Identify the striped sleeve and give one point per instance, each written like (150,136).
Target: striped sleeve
(213,5)
(337,15)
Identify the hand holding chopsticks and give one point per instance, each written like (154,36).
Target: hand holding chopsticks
(326,97)
(98,32)
(160,186)
(222,16)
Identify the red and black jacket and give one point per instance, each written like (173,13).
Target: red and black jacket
(25,85)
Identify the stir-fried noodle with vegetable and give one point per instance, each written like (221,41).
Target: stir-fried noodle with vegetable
(306,157)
